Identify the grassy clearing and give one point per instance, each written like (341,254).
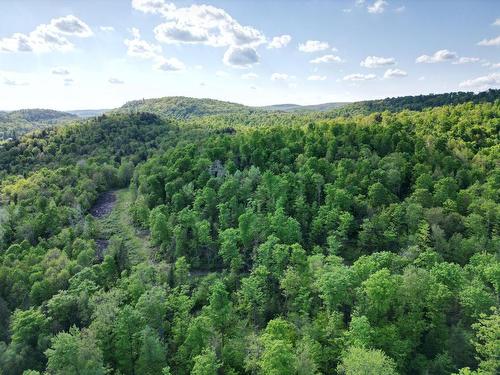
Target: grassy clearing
(118,223)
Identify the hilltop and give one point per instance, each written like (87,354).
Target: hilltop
(14,123)
(183,107)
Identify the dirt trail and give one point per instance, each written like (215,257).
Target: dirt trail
(102,208)
(104,205)
(115,220)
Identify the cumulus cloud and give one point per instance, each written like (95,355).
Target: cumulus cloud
(280,77)
(115,81)
(497,22)
(359,77)
(136,33)
(240,57)
(439,56)
(107,28)
(316,78)
(313,46)
(377,62)
(326,59)
(141,48)
(169,65)
(249,76)
(138,47)
(13,82)
(494,42)
(60,71)
(71,25)
(48,37)
(199,24)
(395,73)
(483,82)
(207,25)
(495,66)
(377,7)
(153,6)
(279,41)
(466,60)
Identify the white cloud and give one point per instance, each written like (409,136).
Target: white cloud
(250,76)
(483,82)
(439,56)
(280,77)
(135,32)
(240,57)
(313,46)
(173,33)
(13,82)
(169,65)
(115,81)
(153,6)
(400,9)
(60,71)
(71,25)
(495,66)
(377,62)
(48,37)
(359,3)
(316,78)
(140,48)
(107,29)
(490,42)
(199,24)
(359,77)
(68,81)
(377,7)
(347,10)
(395,73)
(497,22)
(421,78)
(326,59)
(207,25)
(221,73)
(466,60)
(279,41)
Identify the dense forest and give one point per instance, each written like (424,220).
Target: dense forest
(16,123)
(184,236)
(416,103)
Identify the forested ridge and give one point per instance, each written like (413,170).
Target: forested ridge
(255,242)
(16,123)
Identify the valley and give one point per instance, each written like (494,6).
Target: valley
(194,232)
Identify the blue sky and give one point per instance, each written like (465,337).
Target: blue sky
(99,54)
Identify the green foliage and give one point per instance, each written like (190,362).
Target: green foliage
(15,123)
(358,361)
(254,242)
(75,353)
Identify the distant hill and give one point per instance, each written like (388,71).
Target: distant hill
(183,107)
(304,108)
(86,113)
(16,123)
(415,103)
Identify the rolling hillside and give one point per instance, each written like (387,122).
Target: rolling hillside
(16,123)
